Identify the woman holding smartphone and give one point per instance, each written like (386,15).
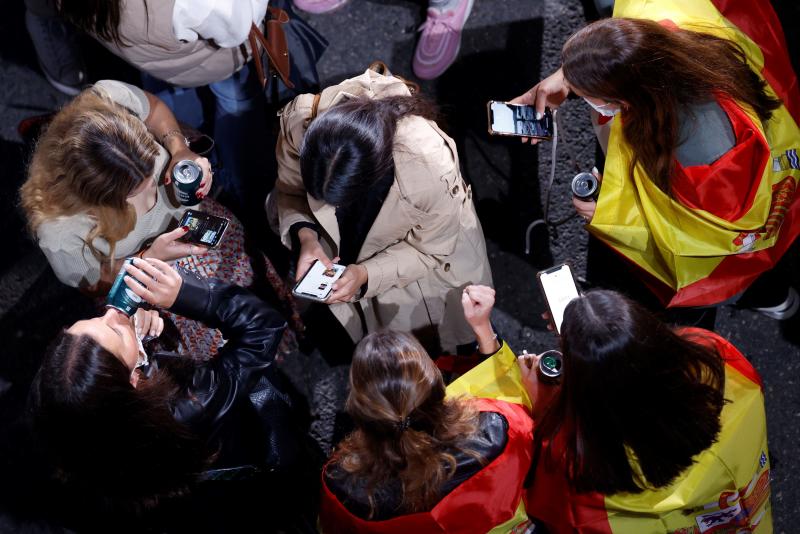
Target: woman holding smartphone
(125,435)
(100,189)
(699,185)
(367,179)
(647,429)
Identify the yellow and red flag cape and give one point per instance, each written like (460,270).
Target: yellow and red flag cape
(728,221)
(726,490)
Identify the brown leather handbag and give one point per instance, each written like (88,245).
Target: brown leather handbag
(273,46)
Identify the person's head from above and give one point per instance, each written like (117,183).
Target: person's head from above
(108,434)
(93,157)
(630,385)
(349,148)
(653,74)
(404,425)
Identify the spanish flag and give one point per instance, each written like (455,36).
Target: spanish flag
(726,490)
(729,221)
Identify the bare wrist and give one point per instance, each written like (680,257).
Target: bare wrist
(306,235)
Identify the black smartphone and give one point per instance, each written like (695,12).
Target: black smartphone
(559,289)
(518,120)
(204,229)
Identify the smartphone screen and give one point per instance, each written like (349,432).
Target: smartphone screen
(318,282)
(559,289)
(514,119)
(204,228)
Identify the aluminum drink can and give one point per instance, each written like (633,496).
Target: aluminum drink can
(187,175)
(121,297)
(549,370)
(585,185)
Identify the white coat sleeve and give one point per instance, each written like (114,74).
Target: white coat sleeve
(226,22)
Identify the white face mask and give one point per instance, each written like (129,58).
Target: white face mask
(603,109)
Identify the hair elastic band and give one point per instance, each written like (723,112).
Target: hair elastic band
(403,425)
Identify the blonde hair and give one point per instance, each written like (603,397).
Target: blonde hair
(90,158)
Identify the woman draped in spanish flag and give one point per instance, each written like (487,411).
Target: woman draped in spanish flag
(418,461)
(699,188)
(650,430)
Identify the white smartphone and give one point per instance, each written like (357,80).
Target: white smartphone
(518,120)
(317,283)
(559,288)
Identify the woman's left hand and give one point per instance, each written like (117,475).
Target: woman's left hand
(586,208)
(158,283)
(346,287)
(540,394)
(148,323)
(185,153)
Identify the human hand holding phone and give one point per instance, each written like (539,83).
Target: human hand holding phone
(167,246)
(550,92)
(310,251)
(559,289)
(349,284)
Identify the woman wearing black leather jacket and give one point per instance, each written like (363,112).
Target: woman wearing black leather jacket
(129,436)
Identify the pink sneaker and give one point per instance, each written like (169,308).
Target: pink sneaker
(319,6)
(440,40)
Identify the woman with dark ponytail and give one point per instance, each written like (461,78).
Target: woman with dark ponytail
(420,460)
(367,179)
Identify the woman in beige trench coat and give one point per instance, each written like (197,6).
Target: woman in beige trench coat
(411,239)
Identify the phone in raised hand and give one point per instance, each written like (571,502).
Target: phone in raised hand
(559,289)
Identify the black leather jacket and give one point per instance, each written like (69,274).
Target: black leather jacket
(233,400)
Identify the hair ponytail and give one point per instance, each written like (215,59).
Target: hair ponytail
(406,429)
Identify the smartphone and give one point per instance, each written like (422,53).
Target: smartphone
(204,229)
(317,284)
(519,120)
(559,289)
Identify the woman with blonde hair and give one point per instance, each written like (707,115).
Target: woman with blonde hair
(99,190)
(418,459)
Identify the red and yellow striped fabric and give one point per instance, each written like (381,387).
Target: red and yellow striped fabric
(729,221)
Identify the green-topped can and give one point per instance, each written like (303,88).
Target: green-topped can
(121,297)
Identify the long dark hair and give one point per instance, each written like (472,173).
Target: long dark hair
(114,443)
(630,385)
(405,428)
(98,17)
(348,148)
(659,72)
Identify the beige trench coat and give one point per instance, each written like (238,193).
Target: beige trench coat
(426,243)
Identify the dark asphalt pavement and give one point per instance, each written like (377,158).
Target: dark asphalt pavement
(507,46)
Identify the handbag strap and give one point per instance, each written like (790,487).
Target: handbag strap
(276,47)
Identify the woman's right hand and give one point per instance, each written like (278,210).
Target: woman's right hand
(478,302)
(550,92)
(166,247)
(159,282)
(310,251)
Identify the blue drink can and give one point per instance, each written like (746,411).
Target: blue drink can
(187,175)
(121,297)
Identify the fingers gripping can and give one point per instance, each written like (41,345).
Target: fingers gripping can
(549,370)
(121,297)
(187,175)
(585,186)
